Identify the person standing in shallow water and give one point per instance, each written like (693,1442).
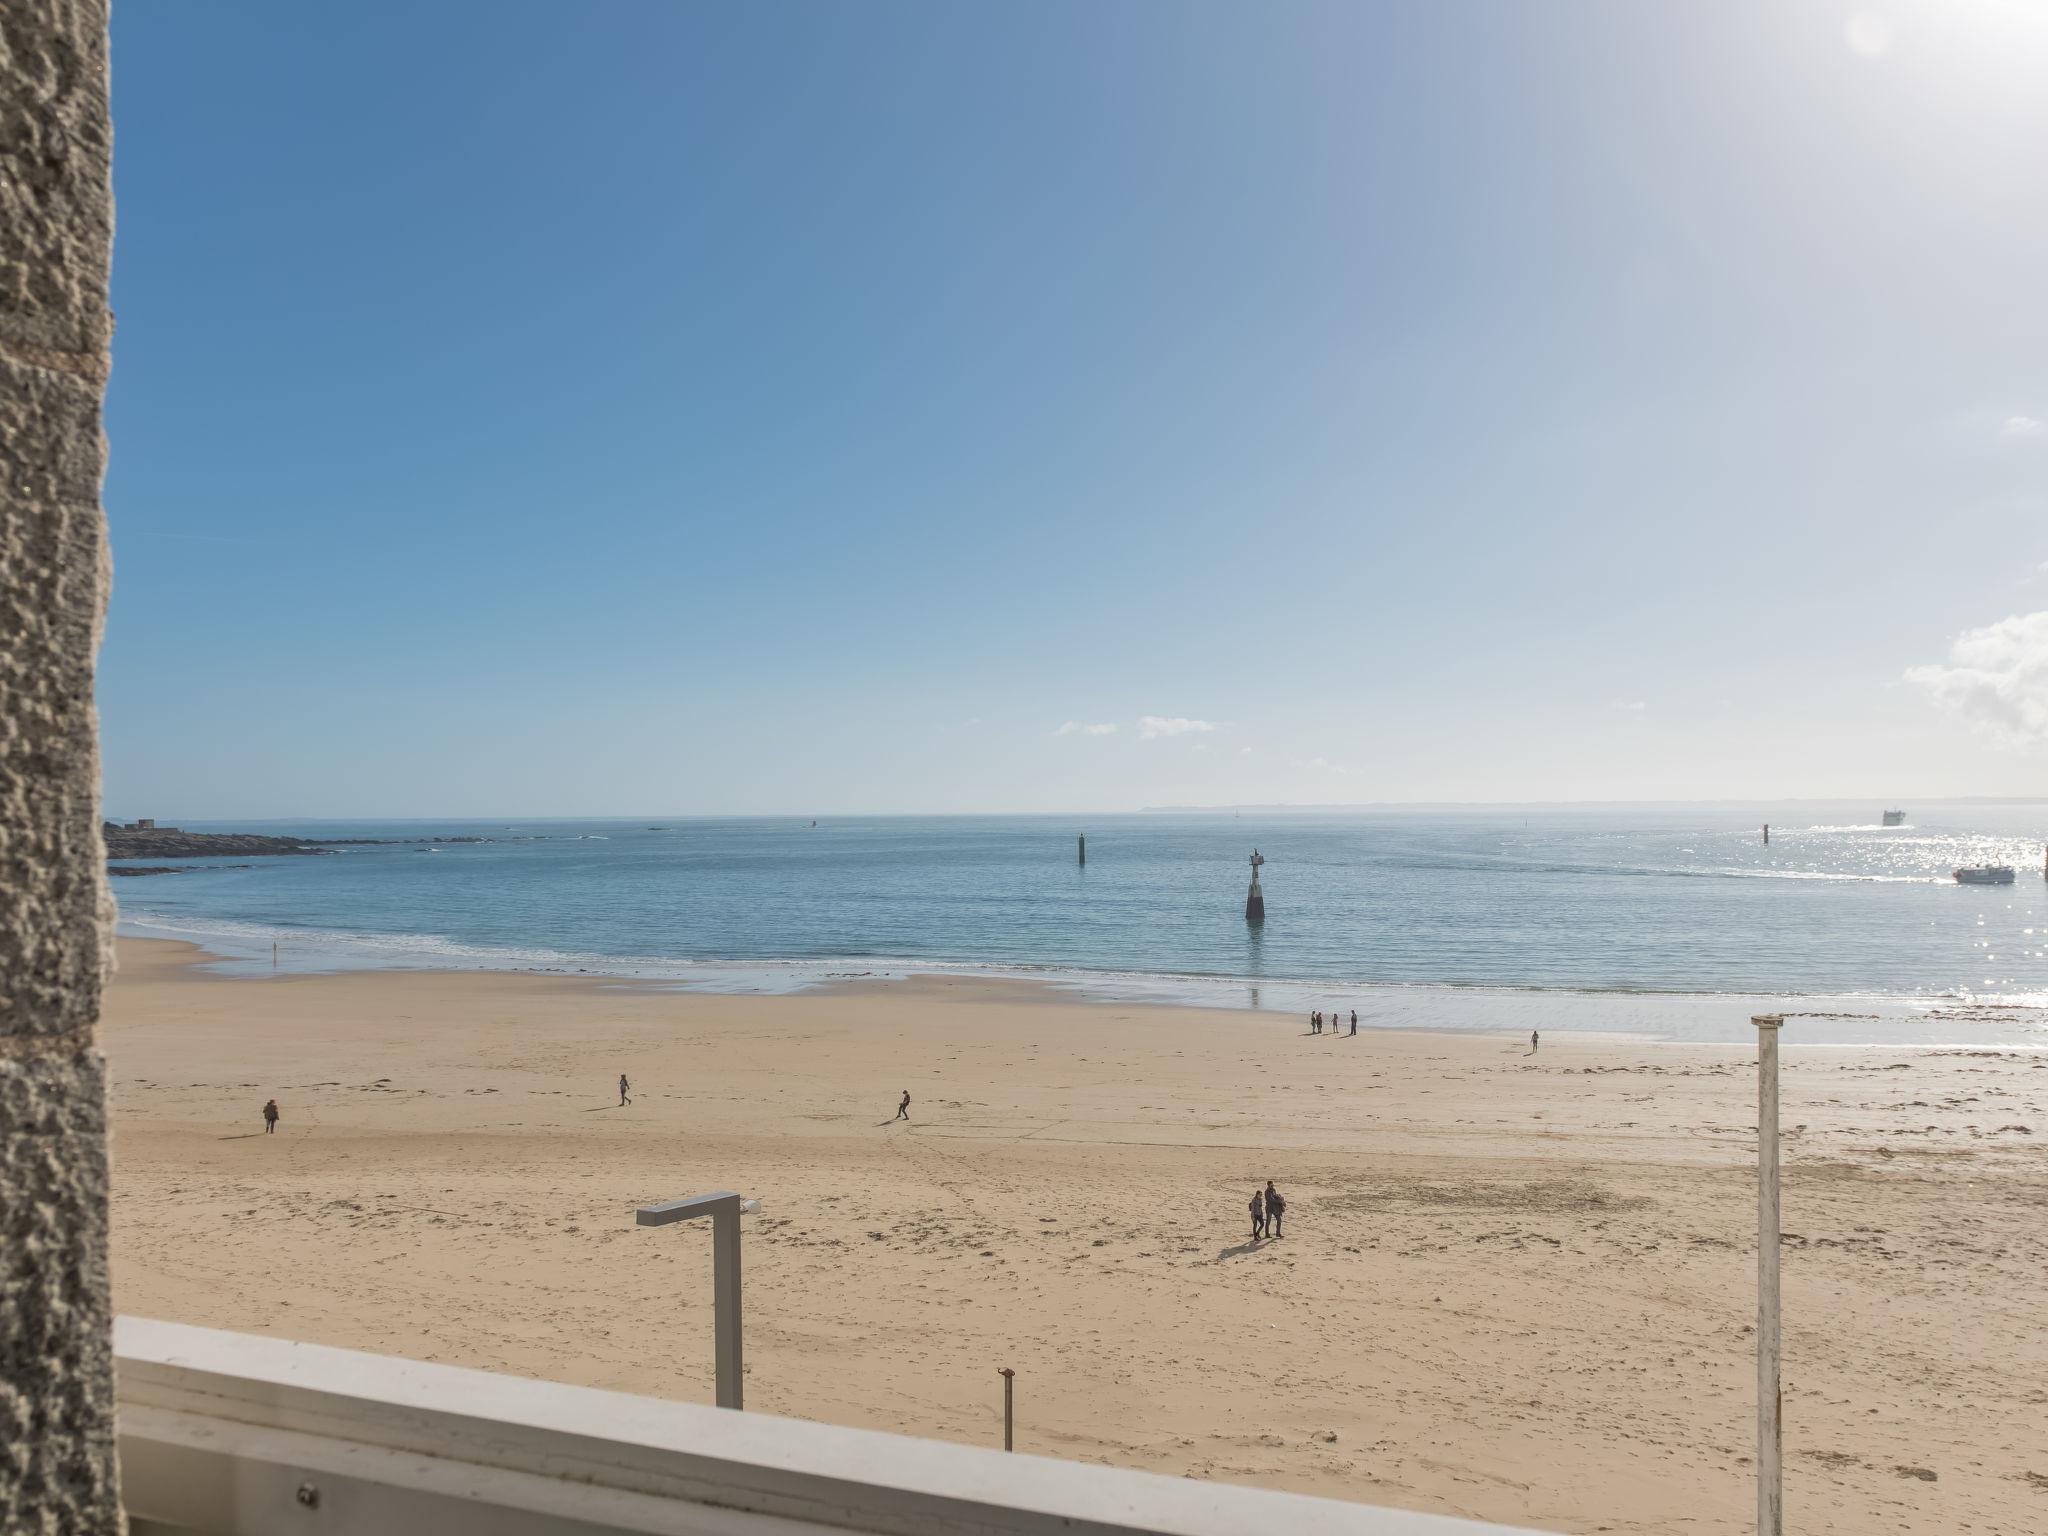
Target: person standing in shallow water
(270,1117)
(1258,1215)
(623,1086)
(903,1109)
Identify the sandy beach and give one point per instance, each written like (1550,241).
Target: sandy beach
(1513,1286)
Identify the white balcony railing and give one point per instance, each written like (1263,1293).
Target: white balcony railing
(227,1434)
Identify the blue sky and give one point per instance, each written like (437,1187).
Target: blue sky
(528,409)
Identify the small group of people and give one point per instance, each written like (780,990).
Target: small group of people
(1316,1021)
(1268,1206)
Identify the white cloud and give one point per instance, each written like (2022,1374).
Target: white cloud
(1996,679)
(1076,728)
(1152,726)
(1244,751)
(1633,706)
(2022,426)
(1322,765)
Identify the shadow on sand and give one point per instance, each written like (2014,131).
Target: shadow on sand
(1251,1245)
(244,1136)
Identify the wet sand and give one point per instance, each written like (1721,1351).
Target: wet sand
(1513,1286)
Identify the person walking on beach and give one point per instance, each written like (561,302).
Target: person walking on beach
(1276,1207)
(1354,1021)
(623,1086)
(270,1117)
(903,1109)
(1532,1042)
(1258,1215)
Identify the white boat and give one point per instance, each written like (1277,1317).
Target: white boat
(1985,874)
(1895,818)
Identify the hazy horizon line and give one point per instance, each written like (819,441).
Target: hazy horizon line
(1264,807)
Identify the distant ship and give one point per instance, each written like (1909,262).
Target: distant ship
(1895,818)
(1985,874)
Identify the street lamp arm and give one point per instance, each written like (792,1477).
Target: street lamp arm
(684,1210)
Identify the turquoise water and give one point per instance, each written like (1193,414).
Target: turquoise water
(1623,899)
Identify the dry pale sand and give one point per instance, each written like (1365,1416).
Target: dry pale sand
(1514,1287)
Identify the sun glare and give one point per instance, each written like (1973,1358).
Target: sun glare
(1869,34)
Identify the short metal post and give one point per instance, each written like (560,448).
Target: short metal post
(1770,1426)
(1009,1409)
(725,1267)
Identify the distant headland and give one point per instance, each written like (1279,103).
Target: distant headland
(144,839)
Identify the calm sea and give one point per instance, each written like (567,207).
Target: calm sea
(1625,899)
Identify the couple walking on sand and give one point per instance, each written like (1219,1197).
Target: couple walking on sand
(1268,1206)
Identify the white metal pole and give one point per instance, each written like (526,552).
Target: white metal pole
(1770,1425)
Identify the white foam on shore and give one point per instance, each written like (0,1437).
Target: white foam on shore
(2017,1020)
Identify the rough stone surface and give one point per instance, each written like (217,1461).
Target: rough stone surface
(56,1340)
(49,434)
(56,157)
(53,902)
(57,1469)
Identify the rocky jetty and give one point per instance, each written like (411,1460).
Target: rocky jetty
(175,843)
(371,842)
(172,843)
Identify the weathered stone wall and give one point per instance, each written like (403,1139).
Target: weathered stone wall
(56,233)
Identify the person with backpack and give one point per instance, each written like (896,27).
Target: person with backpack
(270,1118)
